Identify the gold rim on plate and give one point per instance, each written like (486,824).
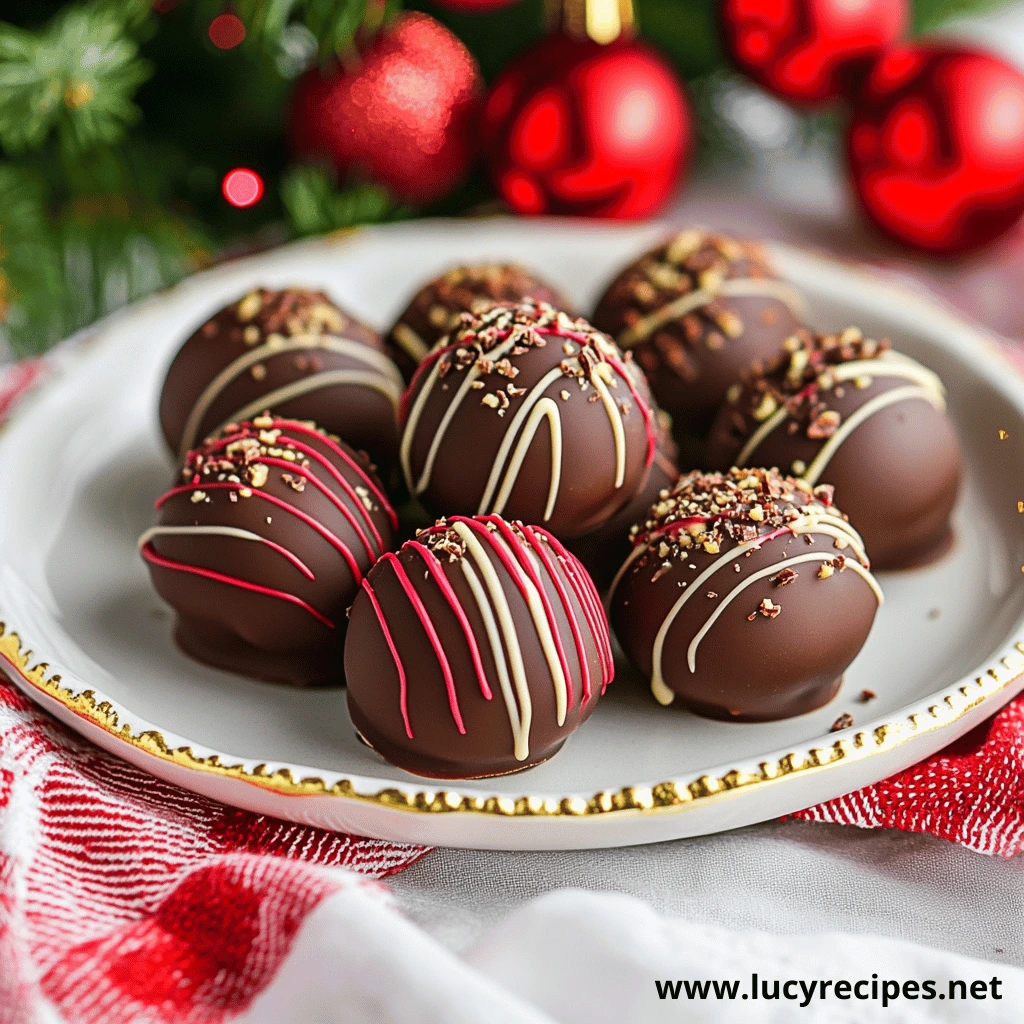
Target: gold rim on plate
(661,796)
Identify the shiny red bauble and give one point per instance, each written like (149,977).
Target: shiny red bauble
(810,51)
(404,114)
(474,6)
(936,146)
(576,127)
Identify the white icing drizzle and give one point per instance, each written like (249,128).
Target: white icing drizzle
(215,531)
(738,287)
(528,403)
(518,704)
(508,630)
(544,634)
(866,411)
(417,411)
(618,432)
(824,523)
(413,345)
(771,570)
(384,377)
(546,407)
(540,406)
(927,386)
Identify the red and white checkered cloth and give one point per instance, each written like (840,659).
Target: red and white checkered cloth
(124,899)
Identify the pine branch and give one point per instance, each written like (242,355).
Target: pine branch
(315,206)
(75,77)
(333,24)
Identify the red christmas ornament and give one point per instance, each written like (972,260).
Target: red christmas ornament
(474,6)
(404,115)
(936,146)
(810,51)
(578,127)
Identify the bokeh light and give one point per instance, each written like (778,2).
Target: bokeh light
(226,31)
(242,187)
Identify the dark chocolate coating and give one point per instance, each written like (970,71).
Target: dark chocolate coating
(546,342)
(692,360)
(437,748)
(752,664)
(604,550)
(897,475)
(435,309)
(362,412)
(296,634)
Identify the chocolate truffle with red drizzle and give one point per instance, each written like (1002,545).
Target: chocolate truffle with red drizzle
(849,411)
(294,352)
(475,650)
(530,414)
(696,312)
(262,545)
(437,307)
(746,596)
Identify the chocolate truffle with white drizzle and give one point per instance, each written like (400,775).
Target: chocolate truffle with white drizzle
(527,413)
(697,312)
(747,595)
(294,352)
(475,650)
(261,547)
(437,307)
(849,411)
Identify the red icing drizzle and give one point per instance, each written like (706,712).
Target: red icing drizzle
(403,689)
(150,555)
(330,495)
(256,492)
(591,604)
(645,412)
(302,428)
(581,652)
(428,627)
(298,446)
(437,571)
(523,561)
(552,330)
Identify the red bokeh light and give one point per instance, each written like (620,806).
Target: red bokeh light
(242,187)
(226,31)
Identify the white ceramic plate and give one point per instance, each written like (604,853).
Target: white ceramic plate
(88,638)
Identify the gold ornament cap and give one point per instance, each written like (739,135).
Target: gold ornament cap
(603,21)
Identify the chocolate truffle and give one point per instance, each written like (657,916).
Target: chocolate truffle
(476,650)
(697,311)
(435,309)
(747,595)
(262,545)
(293,352)
(848,411)
(530,414)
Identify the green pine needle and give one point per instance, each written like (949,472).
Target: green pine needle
(315,206)
(77,77)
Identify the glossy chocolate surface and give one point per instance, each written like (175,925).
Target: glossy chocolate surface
(292,352)
(475,651)
(746,597)
(261,545)
(896,473)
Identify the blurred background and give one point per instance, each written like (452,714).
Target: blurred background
(141,140)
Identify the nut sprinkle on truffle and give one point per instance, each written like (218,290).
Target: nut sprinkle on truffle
(801,387)
(542,350)
(438,306)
